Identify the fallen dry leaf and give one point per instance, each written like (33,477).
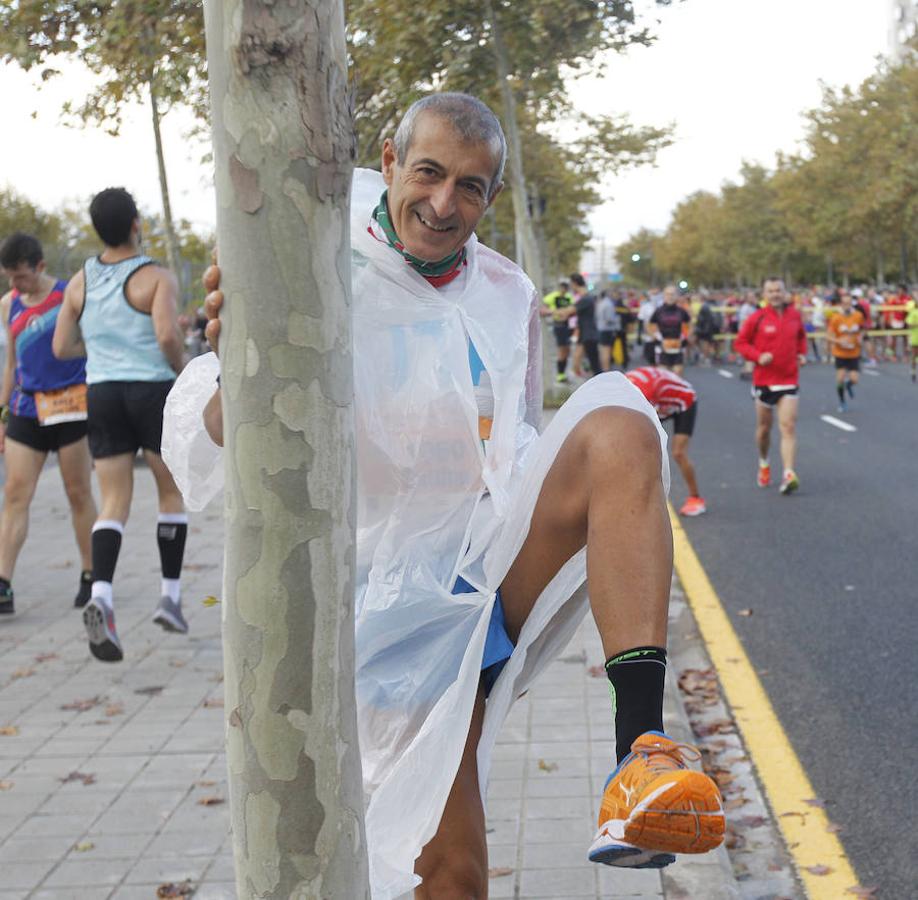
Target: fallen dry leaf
(151,691)
(213,800)
(177,663)
(9,731)
(205,783)
(6,785)
(213,701)
(83,846)
(547,766)
(752,821)
(86,778)
(735,802)
(114,709)
(596,671)
(818,870)
(733,840)
(209,601)
(745,612)
(499,872)
(23,672)
(171,889)
(82,705)
(859,891)
(44,657)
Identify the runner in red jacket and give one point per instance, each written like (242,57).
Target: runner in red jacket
(773,338)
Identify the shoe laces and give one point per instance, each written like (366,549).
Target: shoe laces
(661,756)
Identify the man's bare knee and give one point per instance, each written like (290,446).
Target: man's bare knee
(618,440)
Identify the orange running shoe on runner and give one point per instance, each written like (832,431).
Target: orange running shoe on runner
(655,806)
(694,506)
(764,477)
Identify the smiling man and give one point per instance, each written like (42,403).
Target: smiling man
(474,532)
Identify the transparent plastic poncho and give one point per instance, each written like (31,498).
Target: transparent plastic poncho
(435,501)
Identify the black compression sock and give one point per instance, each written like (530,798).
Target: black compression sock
(841,393)
(106,545)
(636,684)
(850,386)
(561,365)
(171,532)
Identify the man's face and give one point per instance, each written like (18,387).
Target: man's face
(773,292)
(669,296)
(441,192)
(846,301)
(24,278)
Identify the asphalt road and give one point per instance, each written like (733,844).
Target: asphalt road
(830,576)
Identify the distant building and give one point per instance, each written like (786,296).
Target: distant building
(903,26)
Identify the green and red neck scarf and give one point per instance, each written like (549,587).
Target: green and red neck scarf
(437,273)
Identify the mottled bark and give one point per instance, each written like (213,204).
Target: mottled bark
(284,150)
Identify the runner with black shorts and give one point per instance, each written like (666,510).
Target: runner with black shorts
(669,327)
(555,305)
(773,338)
(674,399)
(120,311)
(43,403)
(845,335)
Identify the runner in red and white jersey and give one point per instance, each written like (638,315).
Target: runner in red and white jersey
(674,398)
(773,338)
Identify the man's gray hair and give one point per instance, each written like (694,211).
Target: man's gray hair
(471,119)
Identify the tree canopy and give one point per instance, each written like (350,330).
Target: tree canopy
(845,206)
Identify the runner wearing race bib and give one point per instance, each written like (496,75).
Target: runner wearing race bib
(44,410)
(845,335)
(669,326)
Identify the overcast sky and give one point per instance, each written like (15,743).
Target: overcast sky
(733,76)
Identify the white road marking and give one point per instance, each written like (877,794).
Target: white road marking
(831,420)
(871,372)
(725,373)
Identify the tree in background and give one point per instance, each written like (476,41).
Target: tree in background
(845,206)
(147,49)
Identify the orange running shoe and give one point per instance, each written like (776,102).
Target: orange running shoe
(764,477)
(654,806)
(694,506)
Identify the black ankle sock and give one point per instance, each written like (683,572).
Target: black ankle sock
(5,583)
(561,365)
(636,678)
(171,539)
(106,545)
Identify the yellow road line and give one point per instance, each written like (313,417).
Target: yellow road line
(805,827)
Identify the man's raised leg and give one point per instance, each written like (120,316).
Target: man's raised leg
(605,491)
(763,421)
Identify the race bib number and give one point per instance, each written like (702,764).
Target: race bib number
(65,405)
(672,345)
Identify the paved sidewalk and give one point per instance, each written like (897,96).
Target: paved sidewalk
(111,776)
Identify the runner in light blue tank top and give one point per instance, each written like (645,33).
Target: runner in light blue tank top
(123,341)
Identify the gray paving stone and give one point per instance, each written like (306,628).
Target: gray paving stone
(150,870)
(555,882)
(78,873)
(34,848)
(84,892)
(25,874)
